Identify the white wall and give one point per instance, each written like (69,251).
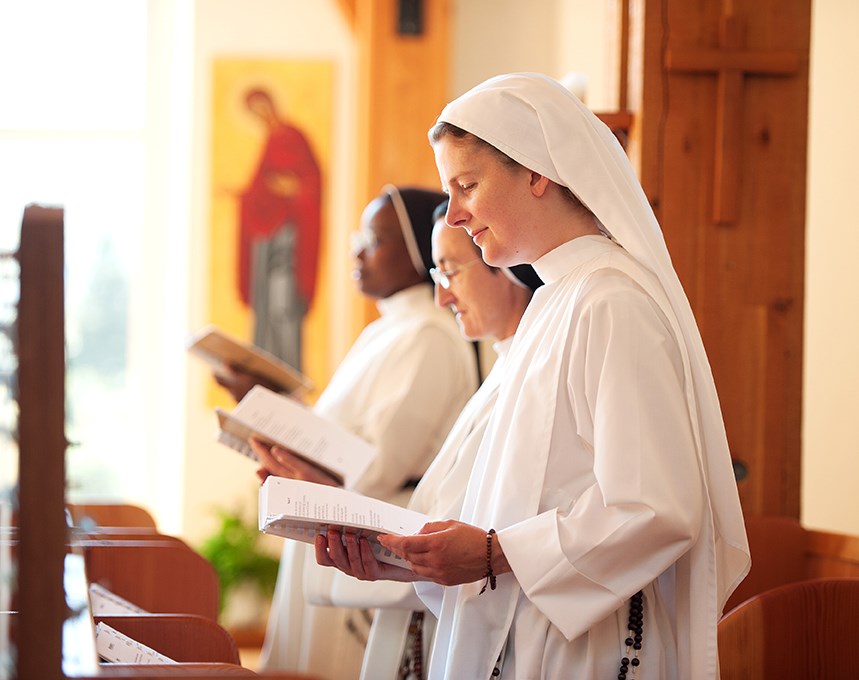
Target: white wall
(215,475)
(830,470)
(489,37)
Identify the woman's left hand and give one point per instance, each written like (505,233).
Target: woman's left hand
(281,462)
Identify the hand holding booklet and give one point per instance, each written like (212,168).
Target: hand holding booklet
(218,350)
(300,510)
(278,419)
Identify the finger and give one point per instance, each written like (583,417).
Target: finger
(270,460)
(260,448)
(411,546)
(320,545)
(392,543)
(353,552)
(337,552)
(301,468)
(263,474)
(372,566)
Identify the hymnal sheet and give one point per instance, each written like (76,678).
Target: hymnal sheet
(103,601)
(277,419)
(300,510)
(117,647)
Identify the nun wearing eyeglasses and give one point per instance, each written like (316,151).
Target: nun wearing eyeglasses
(488,303)
(601,531)
(400,387)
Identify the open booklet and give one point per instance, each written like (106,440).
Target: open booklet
(217,349)
(278,419)
(300,510)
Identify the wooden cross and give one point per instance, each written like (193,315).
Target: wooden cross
(730,62)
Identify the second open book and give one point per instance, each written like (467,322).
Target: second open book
(278,419)
(301,510)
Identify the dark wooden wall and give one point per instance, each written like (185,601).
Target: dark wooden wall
(720,96)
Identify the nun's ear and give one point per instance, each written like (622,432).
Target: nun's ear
(538,183)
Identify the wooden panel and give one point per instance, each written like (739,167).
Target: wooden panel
(778,547)
(160,577)
(728,185)
(829,554)
(402,86)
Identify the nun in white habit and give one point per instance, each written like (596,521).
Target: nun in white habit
(488,303)
(400,387)
(604,471)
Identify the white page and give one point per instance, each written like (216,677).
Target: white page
(300,510)
(103,601)
(284,421)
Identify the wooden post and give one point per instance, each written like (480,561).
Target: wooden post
(41,445)
(402,86)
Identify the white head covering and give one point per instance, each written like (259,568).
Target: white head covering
(537,122)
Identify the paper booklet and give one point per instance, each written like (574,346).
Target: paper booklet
(117,647)
(217,348)
(278,419)
(103,601)
(299,510)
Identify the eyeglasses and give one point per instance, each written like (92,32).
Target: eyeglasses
(442,277)
(363,240)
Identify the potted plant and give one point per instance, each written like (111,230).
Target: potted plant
(247,573)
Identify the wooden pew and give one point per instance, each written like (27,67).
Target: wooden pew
(87,515)
(797,631)
(783,551)
(181,637)
(163,577)
(40,537)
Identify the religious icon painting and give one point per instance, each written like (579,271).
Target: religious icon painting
(271,147)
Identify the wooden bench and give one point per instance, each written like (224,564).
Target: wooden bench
(783,551)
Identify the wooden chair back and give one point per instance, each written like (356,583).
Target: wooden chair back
(87,515)
(797,631)
(163,577)
(181,637)
(783,551)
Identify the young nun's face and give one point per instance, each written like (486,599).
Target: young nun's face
(382,263)
(489,199)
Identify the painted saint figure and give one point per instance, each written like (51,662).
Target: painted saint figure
(279,226)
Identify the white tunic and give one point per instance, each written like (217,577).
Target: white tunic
(439,495)
(590,475)
(400,387)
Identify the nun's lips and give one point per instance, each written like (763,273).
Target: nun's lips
(476,233)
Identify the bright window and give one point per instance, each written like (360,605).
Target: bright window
(73,132)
